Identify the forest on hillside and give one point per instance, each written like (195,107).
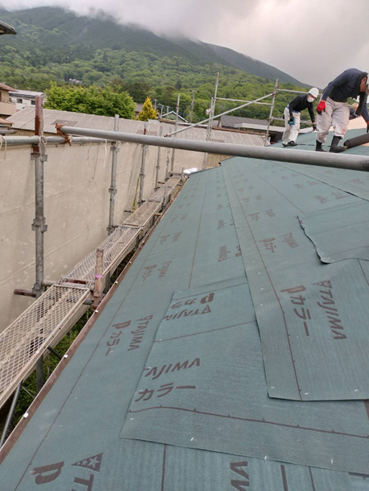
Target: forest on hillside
(38,56)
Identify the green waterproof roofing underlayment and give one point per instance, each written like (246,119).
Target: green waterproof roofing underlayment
(233,355)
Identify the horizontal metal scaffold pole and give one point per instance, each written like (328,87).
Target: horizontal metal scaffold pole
(325,159)
(13,141)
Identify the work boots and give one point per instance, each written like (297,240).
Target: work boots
(334,145)
(318,147)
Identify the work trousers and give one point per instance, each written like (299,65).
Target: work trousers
(291,132)
(336,114)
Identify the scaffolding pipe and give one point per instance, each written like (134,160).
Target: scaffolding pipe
(241,100)
(15,141)
(167,165)
(271,113)
(39,226)
(142,171)
(99,270)
(10,416)
(324,159)
(192,105)
(221,114)
(113,182)
(158,162)
(176,128)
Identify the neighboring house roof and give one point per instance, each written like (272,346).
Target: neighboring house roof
(231,121)
(5,122)
(25,93)
(232,312)
(25,120)
(174,115)
(6,87)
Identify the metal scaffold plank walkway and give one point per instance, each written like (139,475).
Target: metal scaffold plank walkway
(25,340)
(166,190)
(29,336)
(143,216)
(116,246)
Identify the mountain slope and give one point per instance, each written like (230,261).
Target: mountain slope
(53,27)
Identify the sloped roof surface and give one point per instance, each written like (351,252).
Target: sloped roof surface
(167,391)
(6,87)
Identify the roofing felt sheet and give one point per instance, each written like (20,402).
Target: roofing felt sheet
(354,182)
(312,317)
(83,413)
(204,387)
(340,233)
(76,429)
(359,482)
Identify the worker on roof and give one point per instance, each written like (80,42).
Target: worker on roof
(292,116)
(333,109)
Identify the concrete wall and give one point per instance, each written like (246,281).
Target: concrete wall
(77,180)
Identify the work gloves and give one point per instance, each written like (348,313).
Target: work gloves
(314,127)
(321,107)
(291,122)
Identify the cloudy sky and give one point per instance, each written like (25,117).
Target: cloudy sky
(312,40)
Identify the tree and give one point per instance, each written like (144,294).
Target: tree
(90,100)
(148,112)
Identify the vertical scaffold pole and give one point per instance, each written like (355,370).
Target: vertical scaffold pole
(176,127)
(211,117)
(271,113)
(167,166)
(113,182)
(192,105)
(158,161)
(10,416)
(99,270)
(39,227)
(142,171)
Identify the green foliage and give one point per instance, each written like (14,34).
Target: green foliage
(147,112)
(90,100)
(53,45)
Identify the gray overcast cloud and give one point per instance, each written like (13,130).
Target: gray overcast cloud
(312,40)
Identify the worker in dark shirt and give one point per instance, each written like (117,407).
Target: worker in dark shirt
(292,116)
(333,109)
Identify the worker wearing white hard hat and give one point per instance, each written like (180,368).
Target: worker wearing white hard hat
(333,109)
(292,116)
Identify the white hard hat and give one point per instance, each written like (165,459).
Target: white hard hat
(314,92)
